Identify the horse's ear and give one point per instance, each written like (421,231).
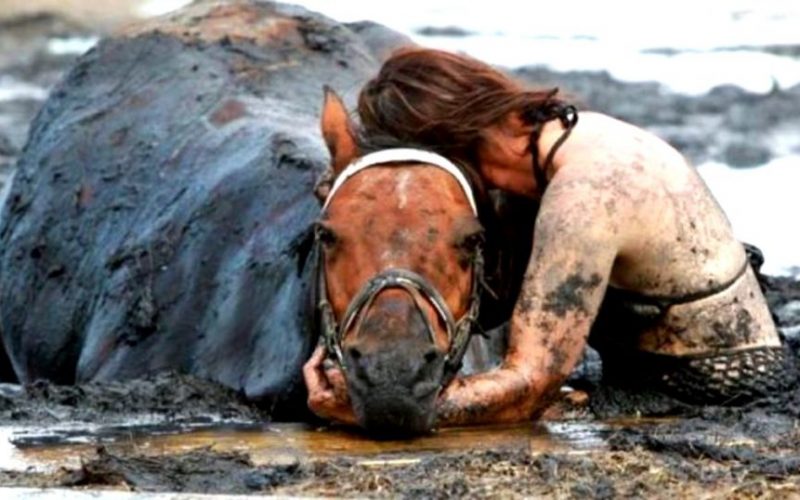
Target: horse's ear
(338,131)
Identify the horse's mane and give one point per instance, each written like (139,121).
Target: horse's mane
(508,222)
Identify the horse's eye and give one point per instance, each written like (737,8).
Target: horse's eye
(472,241)
(325,235)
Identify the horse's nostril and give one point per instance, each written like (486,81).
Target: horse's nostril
(431,356)
(354,353)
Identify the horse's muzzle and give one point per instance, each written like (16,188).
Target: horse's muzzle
(390,415)
(394,372)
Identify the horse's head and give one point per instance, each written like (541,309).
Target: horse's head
(400,263)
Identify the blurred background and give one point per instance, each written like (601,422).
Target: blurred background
(719,80)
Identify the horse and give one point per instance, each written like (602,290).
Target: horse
(159,221)
(400,266)
(156,218)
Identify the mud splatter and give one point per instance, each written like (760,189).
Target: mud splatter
(569,295)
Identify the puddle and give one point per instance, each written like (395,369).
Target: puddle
(37,449)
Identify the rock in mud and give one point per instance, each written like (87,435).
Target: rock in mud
(745,155)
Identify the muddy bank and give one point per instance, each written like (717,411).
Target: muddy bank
(721,453)
(169,396)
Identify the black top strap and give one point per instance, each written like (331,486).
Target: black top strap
(663,302)
(568,116)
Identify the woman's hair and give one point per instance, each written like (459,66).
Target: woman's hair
(443,101)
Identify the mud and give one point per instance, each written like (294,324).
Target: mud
(568,297)
(650,460)
(170,396)
(193,471)
(204,438)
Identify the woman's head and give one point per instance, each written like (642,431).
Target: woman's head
(443,101)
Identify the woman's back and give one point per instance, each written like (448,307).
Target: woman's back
(675,240)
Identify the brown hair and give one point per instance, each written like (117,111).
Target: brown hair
(443,101)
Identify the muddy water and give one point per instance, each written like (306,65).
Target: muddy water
(754,455)
(48,449)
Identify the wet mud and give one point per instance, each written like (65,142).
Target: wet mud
(169,396)
(176,433)
(203,438)
(735,458)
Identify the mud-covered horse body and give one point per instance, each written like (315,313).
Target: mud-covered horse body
(158,214)
(159,218)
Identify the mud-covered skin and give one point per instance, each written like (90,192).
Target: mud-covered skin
(158,215)
(569,295)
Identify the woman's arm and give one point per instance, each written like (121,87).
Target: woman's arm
(574,248)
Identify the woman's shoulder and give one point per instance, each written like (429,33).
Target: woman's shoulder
(602,139)
(600,125)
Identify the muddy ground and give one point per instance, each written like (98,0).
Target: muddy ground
(720,452)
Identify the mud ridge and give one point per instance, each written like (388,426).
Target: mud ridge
(171,396)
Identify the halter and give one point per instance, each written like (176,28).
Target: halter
(458,332)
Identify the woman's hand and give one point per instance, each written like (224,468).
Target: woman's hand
(327,389)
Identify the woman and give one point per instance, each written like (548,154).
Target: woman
(623,223)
